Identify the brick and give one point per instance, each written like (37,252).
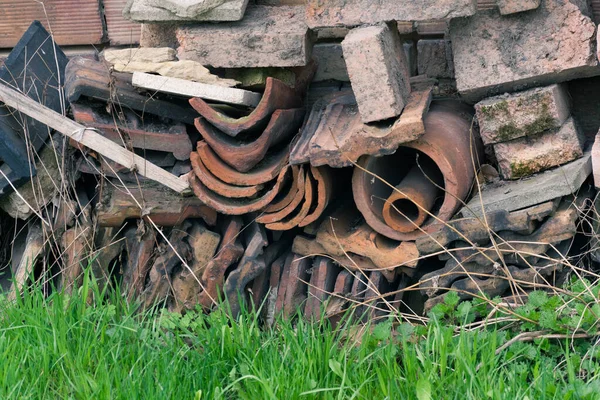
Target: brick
(516,195)
(266,37)
(552,44)
(321,13)
(330,62)
(526,156)
(516,6)
(511,116)
(378,72)
(435,58)
(146,11)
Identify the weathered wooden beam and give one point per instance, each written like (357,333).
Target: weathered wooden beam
(90,138)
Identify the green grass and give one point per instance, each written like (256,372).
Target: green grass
(62,348)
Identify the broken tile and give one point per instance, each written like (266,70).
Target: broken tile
(139,249)
(187,88)
(36,66)
(187,8)
(378,72)
(163,206)
(322,282)
(510,116)
(24,258)
(362,12)
(266,37)
(526,156)
(494,55)
(515,195)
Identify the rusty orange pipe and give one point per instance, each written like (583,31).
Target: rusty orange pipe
(408,207)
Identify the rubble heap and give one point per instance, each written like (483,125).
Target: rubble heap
(352,155)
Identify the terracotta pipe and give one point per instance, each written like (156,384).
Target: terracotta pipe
(451,143)
(409,206)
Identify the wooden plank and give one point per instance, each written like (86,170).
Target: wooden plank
(91,139)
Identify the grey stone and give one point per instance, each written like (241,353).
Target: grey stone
(143,11)
(187,8)
(330,62)
(516,195)
(435,58)
(322,13)
(516,6)
(494,54)
(266,37)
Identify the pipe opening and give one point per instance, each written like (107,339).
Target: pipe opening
(406,213)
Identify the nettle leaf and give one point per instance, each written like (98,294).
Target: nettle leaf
(382,331)
(538,298)
(451,299)
(405,330)
(548,320)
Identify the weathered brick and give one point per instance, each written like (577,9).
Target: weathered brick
(510,116)
(552,44)
(435,58)
(266,37)
(378,72)
(516,6)
(526,156)
(322,13)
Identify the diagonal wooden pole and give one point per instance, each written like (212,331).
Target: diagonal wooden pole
(91,139)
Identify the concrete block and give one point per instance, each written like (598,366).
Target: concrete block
(321,13)
(526,156)
(552,44)
(516,6)
(144,11)
(330,62)
(435,58)
(194,89)
(517,195)
(596,160)
(511,116)
(378,72)
(266,37)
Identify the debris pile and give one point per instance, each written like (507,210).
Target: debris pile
(307,156)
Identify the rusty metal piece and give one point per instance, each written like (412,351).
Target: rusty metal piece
(244,155)
(159,278)
(277,96)
(325,188)
(139,247)
(161,205)
(267,170)
(448,126)
(186,283)
(409,205)
(149,134)
(335,134)
(346,232)
(93,79)
(299,187)
(297,278)
(321,285)
(218,186)
(477,229)
(229,252)
(288,192)
(292,220)
(235,206)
